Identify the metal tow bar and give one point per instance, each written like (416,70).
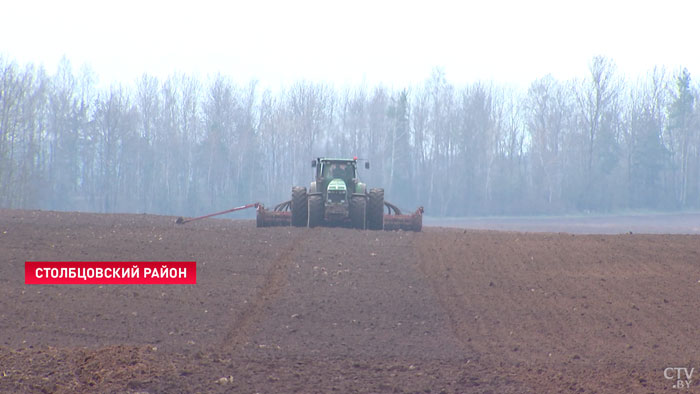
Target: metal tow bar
(181,220)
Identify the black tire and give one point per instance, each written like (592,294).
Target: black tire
(375,209)
(299,206)
(315,210)
(358,212)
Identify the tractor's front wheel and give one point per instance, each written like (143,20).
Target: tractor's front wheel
(375,209)
(299,206)
(358,212)
(315,210)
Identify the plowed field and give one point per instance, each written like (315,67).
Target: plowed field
(321,310)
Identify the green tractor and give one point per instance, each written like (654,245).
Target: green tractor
(337,198)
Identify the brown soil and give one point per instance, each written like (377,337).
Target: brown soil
(322,310)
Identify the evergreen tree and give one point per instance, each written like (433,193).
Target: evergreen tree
(681,132)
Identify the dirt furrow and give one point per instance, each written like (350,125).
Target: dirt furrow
(248,320)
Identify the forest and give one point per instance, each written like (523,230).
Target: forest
(190,145)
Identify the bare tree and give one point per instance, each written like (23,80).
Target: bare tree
(547,109)
(598,110)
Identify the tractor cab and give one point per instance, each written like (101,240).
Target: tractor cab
(330,172)
(338,170)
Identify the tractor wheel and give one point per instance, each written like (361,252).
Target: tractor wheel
(375,209)
(358,212)
(315,210)
(299,206)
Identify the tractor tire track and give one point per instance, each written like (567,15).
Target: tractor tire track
(247,321)
(432,264)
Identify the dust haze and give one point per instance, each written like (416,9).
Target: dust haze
(188,145)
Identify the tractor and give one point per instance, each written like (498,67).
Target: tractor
(337,198)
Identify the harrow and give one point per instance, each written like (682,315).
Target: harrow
(394,219)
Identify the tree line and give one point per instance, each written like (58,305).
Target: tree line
(187,146)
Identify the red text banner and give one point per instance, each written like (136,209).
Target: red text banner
(110,272)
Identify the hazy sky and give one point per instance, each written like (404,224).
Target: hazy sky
(392,42)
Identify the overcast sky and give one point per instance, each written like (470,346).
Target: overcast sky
(396,43)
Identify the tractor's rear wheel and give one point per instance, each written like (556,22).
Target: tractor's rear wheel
(358,212)
(375,209)
(315,210)
(299,206)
